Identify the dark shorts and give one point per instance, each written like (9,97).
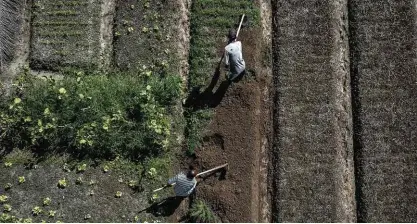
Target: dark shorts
(235,77)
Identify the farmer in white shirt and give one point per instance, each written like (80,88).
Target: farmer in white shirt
(233,57)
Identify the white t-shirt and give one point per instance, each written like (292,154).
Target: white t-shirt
(234,58)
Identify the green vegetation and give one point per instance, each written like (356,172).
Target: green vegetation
(8,186)
(46,201)
(201,212)
(7,208)
(3,198)
(62,183)
(51,213)
(36,211)
(196,122)
(118,194)
(21,179)
(91,115)
(81,168)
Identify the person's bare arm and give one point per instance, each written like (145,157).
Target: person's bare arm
(226,58)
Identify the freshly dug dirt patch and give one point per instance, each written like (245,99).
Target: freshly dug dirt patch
(233,138)
(236,136)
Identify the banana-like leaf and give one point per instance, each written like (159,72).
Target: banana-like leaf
(9,26)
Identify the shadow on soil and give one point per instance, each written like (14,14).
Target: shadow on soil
(208,99)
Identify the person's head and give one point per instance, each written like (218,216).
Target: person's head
(191,173)
(232,35)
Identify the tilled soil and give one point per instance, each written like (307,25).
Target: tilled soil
(234,136)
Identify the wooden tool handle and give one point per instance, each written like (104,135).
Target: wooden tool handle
(240,25)
(210,170)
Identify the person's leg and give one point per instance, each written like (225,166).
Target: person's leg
(238,77)
(192,198)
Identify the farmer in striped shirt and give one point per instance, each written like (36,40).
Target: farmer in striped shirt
(185,183)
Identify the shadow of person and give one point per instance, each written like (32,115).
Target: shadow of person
(207,99)
(165,207)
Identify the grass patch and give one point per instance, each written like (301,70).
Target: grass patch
(200,212)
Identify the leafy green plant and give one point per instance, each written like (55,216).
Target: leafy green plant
(7,218)
(51,213)
(92,182)
(8,164)
(201,212)
(47,201)
(8,186)
(27,220)
(62,183)
(81,168)
(106,168)
(136,218)
(4,198)
(118,194)
(153,198)
(21,179)
(152,172)
(66,168)
(79,181)
(7,208)
(36,211)
(132,184)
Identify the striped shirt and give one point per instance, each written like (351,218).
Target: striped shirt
(183,186)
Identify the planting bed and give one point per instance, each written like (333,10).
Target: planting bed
(147,34)
(65,33)
(234,132)
(385,108)
(312,155)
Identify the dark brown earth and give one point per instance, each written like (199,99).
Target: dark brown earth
(234,136)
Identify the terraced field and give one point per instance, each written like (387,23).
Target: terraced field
(322,128)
